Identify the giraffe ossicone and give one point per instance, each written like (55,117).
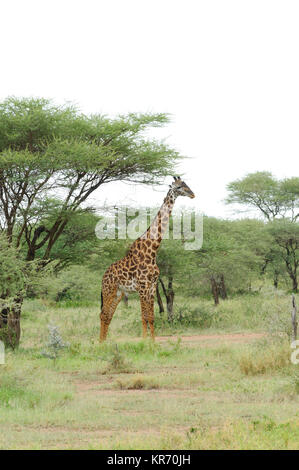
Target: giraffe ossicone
(138,270)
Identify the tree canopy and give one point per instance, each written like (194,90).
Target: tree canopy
(272,197)
(48,150)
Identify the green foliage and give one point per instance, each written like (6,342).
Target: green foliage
(202,316)
(48,151)
(171,259)
(286,237)
(230,256)
(73,286)
(278,201)
(77,242)
(12,269)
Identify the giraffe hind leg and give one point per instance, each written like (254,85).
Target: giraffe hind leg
(147,316)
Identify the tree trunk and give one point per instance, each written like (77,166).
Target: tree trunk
(222,288)
(170,300)
(294,317)
(10,330)
(169,294)
(215,290)
(292,265)
(159,299)
(293,276)
(264,267)
(295,284)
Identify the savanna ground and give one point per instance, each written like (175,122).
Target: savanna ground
(218,379)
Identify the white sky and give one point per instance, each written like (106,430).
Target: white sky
(226,70)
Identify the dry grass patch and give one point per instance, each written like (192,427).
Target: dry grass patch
(137,383)
(268,357)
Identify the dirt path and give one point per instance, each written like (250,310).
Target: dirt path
(230,337)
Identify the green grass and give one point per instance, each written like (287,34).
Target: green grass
(211,393)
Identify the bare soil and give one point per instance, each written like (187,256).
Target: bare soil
(231,337)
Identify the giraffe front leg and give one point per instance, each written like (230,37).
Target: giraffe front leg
(104,325)
(110,303)
(151,318)
(105,322)
(104,316)
(143,317)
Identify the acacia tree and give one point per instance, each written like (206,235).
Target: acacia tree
(230,255)
(276,200)
(48,150)
(272,197)
(286,237)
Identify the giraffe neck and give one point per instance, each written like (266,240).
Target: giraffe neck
(159,225)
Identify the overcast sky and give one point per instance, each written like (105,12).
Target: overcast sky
(226,70)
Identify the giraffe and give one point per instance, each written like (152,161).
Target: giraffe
(138,270)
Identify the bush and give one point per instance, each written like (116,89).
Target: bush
(73,287)
(200,317)
(55,344)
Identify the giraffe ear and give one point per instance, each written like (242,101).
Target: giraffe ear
(175,178)
(170,186)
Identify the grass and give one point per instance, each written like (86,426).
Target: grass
(265,357)
(214,392)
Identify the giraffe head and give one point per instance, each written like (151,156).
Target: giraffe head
(180,188)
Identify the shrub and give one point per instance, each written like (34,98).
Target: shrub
(201,316)
(55,343)
(74,286)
